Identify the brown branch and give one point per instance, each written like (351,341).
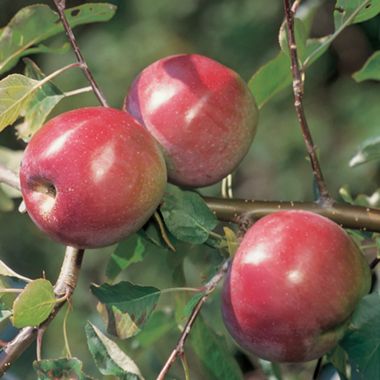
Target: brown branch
(324,196)
(60,5)
(348,216)
(65,285)
(179,348)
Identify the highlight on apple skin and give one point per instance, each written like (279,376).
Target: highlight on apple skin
(201,113)
(292,287)
(92,176)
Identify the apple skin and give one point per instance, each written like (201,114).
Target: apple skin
(292,286)
(92,176)
(201,113)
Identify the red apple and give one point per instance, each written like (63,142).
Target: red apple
(92,176)
(292,286)
(201,113)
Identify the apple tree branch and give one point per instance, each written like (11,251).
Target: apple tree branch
(64,286)
(298,89)
(179,348)
(60,5)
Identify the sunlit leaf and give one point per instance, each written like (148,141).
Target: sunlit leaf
(109,358)
(126,307)
(213,353)
(369,151)
(15,93)
(11,159)
(40,104)
(370,70)
(362,342)
(187,216)
(4,314)
(34,304)
(36,23)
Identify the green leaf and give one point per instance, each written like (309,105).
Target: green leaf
(60,369)
(365,10)
(362,341)
(4,314)
(34,304)
(187,216)
(11,159)
(9,282)
(128,252)
(158,325)
(16,91)
(212,352)
(271,78)
(276,75)
(368,151)
(40,104)
(109,358)
(36,23)
(370,70)
(125,307)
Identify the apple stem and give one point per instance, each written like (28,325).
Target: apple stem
(65,285)
(60,5)
(324,198)
(208,288)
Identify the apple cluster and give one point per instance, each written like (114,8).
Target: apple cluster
(92,176)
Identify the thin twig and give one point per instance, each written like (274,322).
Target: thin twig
(179,349)
(324,196)
(164,235)
(40,335)
(60,5)
(65,285)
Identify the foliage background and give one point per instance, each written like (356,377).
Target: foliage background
(242,34)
